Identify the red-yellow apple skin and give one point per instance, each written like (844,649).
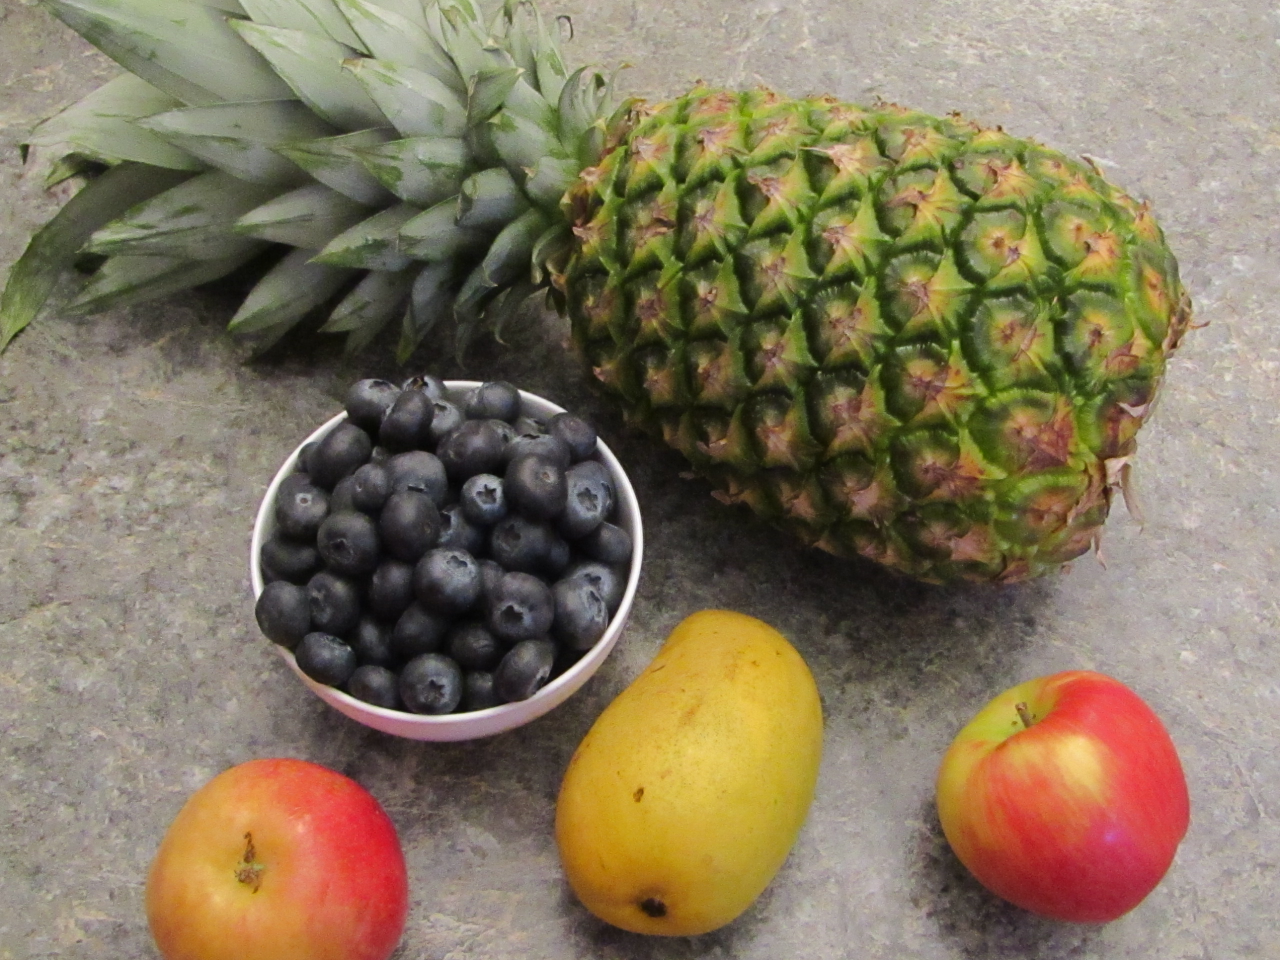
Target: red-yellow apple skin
(1075,817)
(326,880)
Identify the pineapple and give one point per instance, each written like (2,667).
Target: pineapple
(903,337)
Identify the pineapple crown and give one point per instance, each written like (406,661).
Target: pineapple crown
(404,158)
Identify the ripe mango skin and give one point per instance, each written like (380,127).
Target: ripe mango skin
(686,795)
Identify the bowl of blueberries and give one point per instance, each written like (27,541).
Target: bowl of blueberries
(446,560)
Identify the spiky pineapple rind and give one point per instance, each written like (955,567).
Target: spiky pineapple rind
(903,337)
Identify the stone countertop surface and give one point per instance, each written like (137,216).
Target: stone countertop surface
(135,447)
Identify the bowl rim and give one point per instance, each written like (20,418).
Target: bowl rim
(574,677)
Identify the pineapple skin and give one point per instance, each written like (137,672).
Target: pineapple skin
(901,337)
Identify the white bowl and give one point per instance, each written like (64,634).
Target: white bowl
(507,716)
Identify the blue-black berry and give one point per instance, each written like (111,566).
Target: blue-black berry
(325,659)
(283,612)
(524,670)
(431,683)
(376,685)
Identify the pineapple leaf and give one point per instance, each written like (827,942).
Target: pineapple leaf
(487,91)
(226,6)
(415,102)
(419,170)
(102,126)
(185,49)
(389,36)
(471,51)
(516,37)
(508,305)
(308,217)
(54,248)
(372,243)
(411,10)
(291,289)
(312,67)
(192,220)
(550,64)
(71,165)
(489,200)
(581,100)
(374,300)
(124,281)
(501,266)
(428,305)
(526,102)
(237,137)
(309,16)
(434,235)
(548,180)
(521,142)
(509,254)
(334,161)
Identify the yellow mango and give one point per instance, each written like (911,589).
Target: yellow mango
(684,798)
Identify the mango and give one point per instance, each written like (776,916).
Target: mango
(688,792)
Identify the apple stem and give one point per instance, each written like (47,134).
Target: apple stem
(249,871)
(1024,714)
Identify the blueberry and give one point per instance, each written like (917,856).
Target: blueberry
(325,659)
(341,451)
(340,498)
(535,486)
(520,544)
(524,670)
(300,512)
(419,470)
(540,445)
(531,426)
(483,500)
(368,402)
(491,572)
(334,602)
(371,641)
(409,525)
(588,500)
(581,615)
(474,647)
(456,531)
(391,589)
(294,482)
(348,543)
(520,608)
(447,581)
(579,435)
(370,487)
(283,613)
(376,685)
(407,425)
(597,470)
(477,690)
(285,560)
(506,432)
(607,543)
(431,683)
(418,631)
(606,579)
(433,387)
(446,417)
(304,456)
(497,399)
(559,556)
(380,456)
(475,447)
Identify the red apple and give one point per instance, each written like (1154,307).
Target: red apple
(1065,796)
(278,860)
